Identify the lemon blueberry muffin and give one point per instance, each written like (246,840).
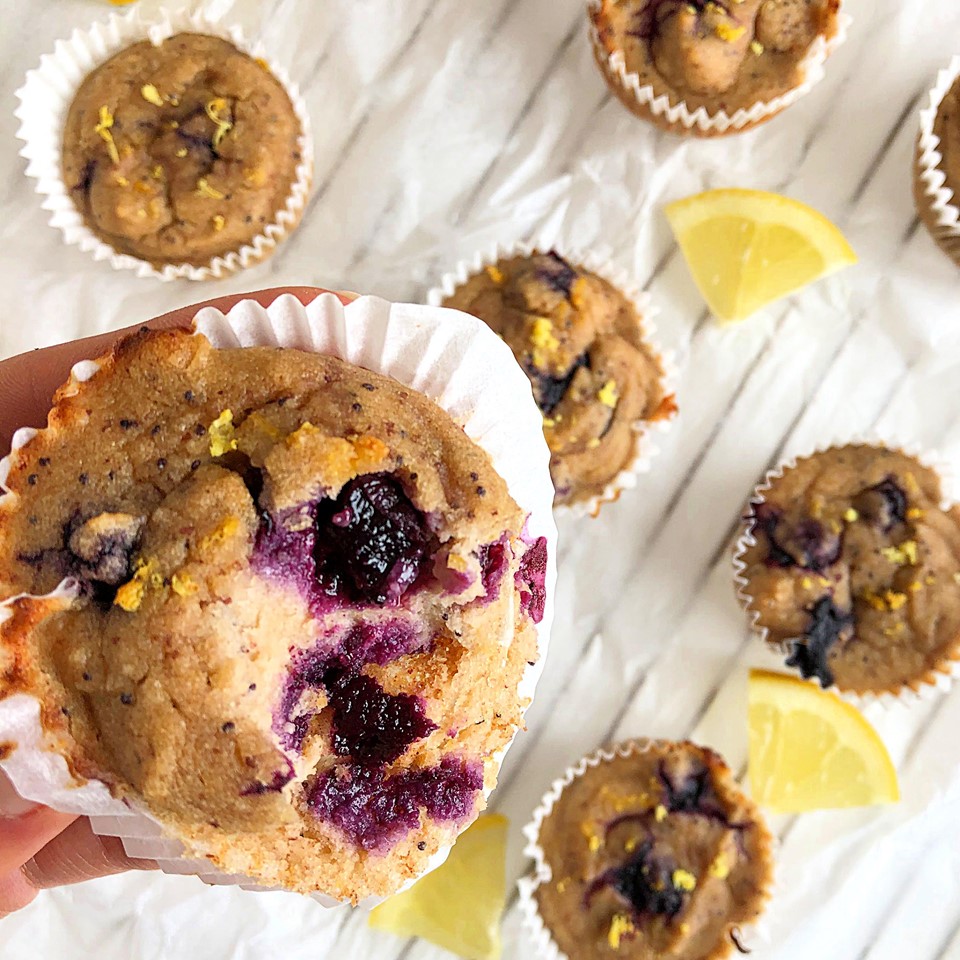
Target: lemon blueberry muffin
(181,152)
(581,342)
(711,56)
(299,603)
(653,853)
(854,569)
(937,171)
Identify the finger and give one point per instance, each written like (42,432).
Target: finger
(15,892)
(79,854)
(23,837)
(28,381)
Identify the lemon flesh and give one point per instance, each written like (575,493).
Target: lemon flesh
(747,248)
(459,905)
(810,750)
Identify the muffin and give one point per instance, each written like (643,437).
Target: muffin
(937,165)
(647,851)
(295,607)
(597,381)
(850,564)
(710,68)
(185,151)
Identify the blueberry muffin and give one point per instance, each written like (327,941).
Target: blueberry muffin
(298,606)
(181,152)
(580,340)
(937,170)
(710,56)
(654,853)
(852,566)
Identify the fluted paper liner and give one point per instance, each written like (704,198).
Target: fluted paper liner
(644,447)
(680,118)
(539,933)
(935,197)
(925,688)
(452,358)
(45,100)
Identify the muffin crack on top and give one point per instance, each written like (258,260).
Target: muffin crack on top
(581,341)
(180,152)
(299,602)
(851,563)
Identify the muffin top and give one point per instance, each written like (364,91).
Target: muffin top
(180,152)
(580,340)
(719,56)
(297,607)
(856,568)
(653,854)
(946,127)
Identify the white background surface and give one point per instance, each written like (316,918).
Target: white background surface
(444,125)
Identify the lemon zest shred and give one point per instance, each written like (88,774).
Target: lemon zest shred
(660,814)
(222,434)
(720,868)
(221,532)
(608,394)
(183,585)
(205,190)
(212,108)
(130,596)
(495,274)
(684,880)
(728,32)
(103,129)
(219,222)
(620,926)
(151,94)
(851,515)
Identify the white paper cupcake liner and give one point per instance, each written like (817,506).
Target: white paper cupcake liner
(545,946)
(45,100)
(645,449)
(936,201)
(452,358)
(679,117)
(938,680)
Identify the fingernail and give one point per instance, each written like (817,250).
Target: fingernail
(11,803)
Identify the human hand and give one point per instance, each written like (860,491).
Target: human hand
(40,847)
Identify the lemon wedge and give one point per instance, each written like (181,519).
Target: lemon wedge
(747,248)
(810,750)
(459,905)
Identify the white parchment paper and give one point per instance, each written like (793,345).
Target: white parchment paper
(443,127)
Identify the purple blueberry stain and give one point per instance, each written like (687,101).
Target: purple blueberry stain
(370,724)
(279,780)
(884,504)
(531,579)
(494,563)
(375,810)
(554,272)
(809,545)
(371,540)
(691,792)
(549,391)
(827,626)
(644,882)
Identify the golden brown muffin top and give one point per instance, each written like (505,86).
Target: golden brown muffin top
(856,568)
(581,342)
(180,152)
(653,854)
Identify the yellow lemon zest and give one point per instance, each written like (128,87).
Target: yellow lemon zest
(222,532)
(260,62)
(895,600)
(608,394)
(851,515)
(720,868)
(205,190)
(806,583)
(151,94)
(631,845)
(593,443)
(224,126)
(103,129)
(130,595)
(219,222)
(563,884)
(222,434)
(121,181)
(183,584)
(660,814)
(495,274)
(620,926)
(577,289)
(541,334)
(757,47)
(157,172)
(591,835)
(684,880)
(905,554)
(728,32)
